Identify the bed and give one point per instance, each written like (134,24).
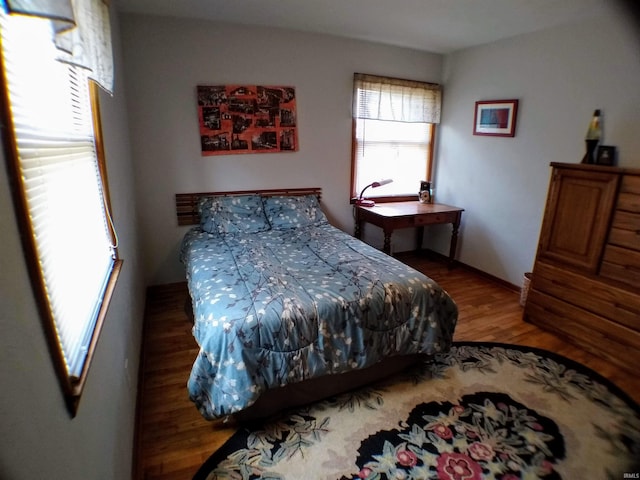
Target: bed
(288,308)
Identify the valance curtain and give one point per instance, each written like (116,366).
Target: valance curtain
(81,32)
(393,99)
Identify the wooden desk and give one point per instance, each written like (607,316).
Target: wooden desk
(394,215)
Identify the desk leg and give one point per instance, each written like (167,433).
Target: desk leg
(454,242)
(419,238)
(358,230)
(386,248)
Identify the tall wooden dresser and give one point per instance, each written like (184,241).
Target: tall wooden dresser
(585,285)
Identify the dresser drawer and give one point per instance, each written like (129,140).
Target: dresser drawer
(625,237)
(625,230)
(592,332)
(630,184)
(622,265)
(598,297)
(629,196)
(623,220)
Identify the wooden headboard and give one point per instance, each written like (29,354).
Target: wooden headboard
(187,203)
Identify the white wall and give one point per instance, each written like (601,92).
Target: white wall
(560,77)
(38,439)
(165,59)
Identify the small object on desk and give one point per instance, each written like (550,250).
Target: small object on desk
(394,215)
(424,195)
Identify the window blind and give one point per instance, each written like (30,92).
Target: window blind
(60,178)
(386,149)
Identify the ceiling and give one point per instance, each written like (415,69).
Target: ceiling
(439,26)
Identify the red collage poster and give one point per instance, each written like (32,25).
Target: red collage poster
(247,119)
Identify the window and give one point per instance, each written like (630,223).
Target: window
(394,123)
(55,159)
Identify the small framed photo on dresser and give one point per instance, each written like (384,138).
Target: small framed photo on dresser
(606,155)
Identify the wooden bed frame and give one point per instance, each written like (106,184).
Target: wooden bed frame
(277,400)
(294,395)
(187,203)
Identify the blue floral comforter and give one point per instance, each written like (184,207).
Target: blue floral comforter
(281,306)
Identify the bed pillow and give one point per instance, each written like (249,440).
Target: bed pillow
(233,214)
(293,211)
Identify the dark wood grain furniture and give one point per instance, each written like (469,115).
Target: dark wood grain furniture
(395,215)
(586,278)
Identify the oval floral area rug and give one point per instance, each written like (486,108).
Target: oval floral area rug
(482,411)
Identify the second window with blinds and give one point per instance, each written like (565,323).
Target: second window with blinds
(394,124)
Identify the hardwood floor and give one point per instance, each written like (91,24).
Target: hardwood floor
(173,440)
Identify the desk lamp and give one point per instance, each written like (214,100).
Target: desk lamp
(370,203)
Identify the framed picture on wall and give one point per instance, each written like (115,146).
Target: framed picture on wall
(496,118)
(237,119)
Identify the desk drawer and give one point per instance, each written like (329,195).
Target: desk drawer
(434,218)
(401,222)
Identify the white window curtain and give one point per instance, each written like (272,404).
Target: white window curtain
(397,100)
